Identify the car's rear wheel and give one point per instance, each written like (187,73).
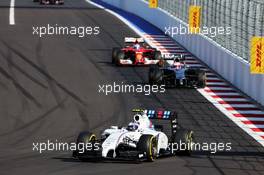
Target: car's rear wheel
(184,139)
(201,79)
(157,55)
(114,53)
(147,145)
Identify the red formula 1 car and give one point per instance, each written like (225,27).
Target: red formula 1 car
(135,52)
(59,2)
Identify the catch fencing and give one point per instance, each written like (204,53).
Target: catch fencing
(245,17)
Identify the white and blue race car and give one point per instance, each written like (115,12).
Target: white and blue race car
(173,72)
(149,136)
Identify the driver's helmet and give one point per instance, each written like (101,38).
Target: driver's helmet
(139,56)
(133,126)
(176,59)
(137,46)
(177,63)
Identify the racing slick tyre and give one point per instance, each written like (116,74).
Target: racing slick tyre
(155,75)
(201,83)
(83,138)
(157,55)
(120,56)
(147,145)
(184,139)
(115,51)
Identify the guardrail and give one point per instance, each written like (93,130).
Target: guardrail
(230,66)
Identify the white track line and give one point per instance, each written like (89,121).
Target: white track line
(166,45)
(169,47)
(223,93)
(230,99)
(216,83)
(246,112)
(160,39)
(251,119)
(239,105)
(12,12)
(260,133)
(212,74)
(218,88)
(255,126)
(213,78)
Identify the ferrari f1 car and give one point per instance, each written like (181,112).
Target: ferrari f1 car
(59,2)
(149,136)
(135,52)
(173,72)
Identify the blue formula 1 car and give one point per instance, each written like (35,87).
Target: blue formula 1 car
(173,72)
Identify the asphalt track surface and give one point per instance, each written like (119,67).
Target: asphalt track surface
(49,90)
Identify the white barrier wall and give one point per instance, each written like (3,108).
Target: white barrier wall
(231,67)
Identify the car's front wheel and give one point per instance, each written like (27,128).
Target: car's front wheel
(83,139)
(147,145)
(120,56)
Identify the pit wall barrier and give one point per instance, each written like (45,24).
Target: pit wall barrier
(231,67)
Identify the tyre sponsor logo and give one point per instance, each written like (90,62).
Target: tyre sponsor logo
(145,89)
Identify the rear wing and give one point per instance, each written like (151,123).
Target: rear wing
(164,120)
(157,114)
(161,114)
(134,40)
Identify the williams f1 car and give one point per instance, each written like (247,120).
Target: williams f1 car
(149,136)
(135,52)
(173,72)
